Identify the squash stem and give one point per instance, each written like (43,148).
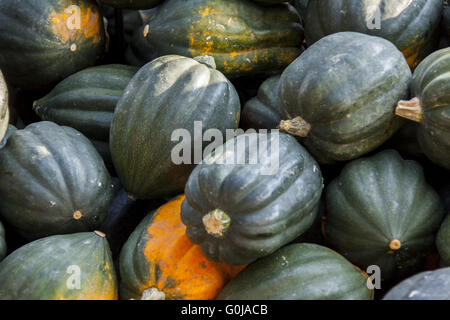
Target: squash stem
(395,244)
(297,127)
(216,223)
(153,294)
(411,110)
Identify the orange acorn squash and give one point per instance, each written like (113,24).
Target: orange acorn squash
(159,262)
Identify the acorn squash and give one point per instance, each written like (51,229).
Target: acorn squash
(428,285)
(170,93)
(381,211)
(158,262)
(239,208)
(2,242)
(4,108)
(299,272)
(244,38)
(301,6)
(52,181)
(409,24)
(263,111)
(443,242)
(132,4)
(43,42)
(86,101)
(431,106)
(341,93)
(63,267)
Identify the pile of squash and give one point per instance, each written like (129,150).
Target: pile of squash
(351,99)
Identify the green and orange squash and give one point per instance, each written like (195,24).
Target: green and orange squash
(430,106)
(86,102)
(62,267)
(381,211)
(239,209)
(156,116)
(42,42)
(158,262)
(52,181)
(443,242)
(411,25)
(244,37)
(428,285)
(299,272)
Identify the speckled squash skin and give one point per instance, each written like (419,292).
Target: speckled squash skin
(4,109)
(410,25)
(2,242)
(299,272)
(263,111)
(428,285)
(244,38)
(52,181)
(265,209)
(381,211)
(168,94)
(443,242)
(346,87)
(86,102)
(41,43)
(132,4)
(430,88)
(159,258)
(46,269)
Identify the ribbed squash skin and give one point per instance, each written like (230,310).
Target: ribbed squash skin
(263,111)
(429,285)
(86,102)
(4,109)
(346,87)
(376,201)
(159,255)
(299,272)
(266,209)
(169,93)
(52,181)
(410,25)
(245,38)
(41,270)
(132,4)
(37,48)
(443,242)
(301,6)
(431,84)
(2,242)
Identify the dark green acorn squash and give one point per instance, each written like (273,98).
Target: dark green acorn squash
(301,6)
(47,269)
(381,211)
(443,242)
(340,94)
(299,272)
(263,111)
(42,43)
(52,181)
(132,4)
(4,108)
(2,242)
(269,2)
(244,38)
(409,24)
(429,285)
(238,209)
(431,106)
(86,101)
(168,94)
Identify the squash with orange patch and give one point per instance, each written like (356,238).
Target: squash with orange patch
(243,37)
(64,267)
(43,42)
(159,262)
